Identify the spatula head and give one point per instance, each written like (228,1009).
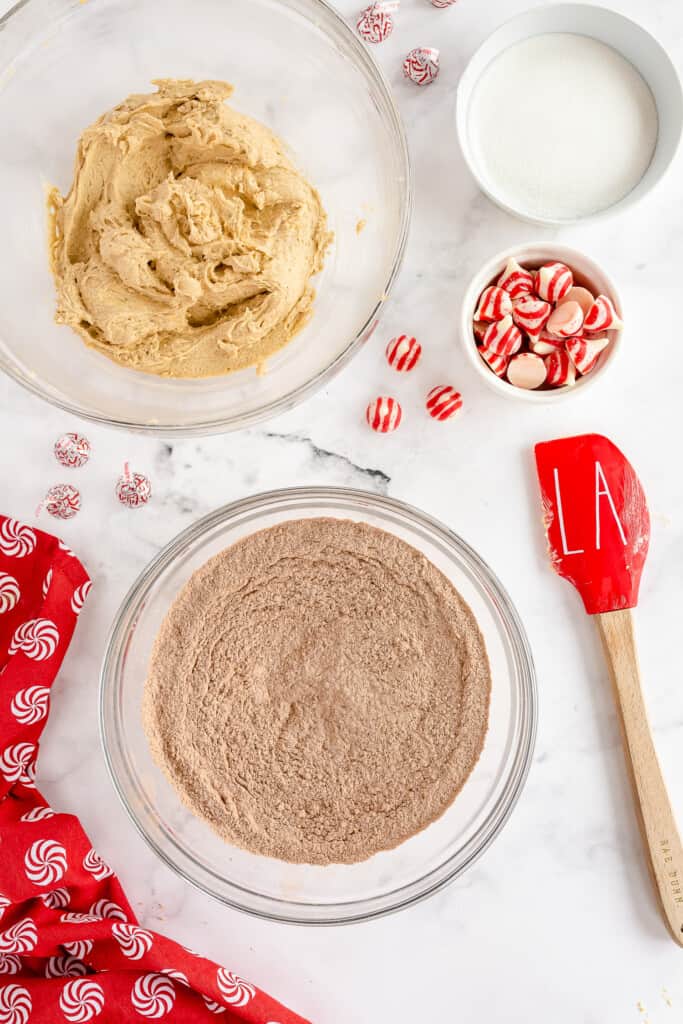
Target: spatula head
(596,519)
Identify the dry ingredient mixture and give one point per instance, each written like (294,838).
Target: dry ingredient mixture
(187,241)
(318,692)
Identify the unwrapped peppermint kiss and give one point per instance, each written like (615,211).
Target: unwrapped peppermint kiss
(560,372)
(583,353)
(602,316)
(553,281)
(545,343)
(494,304)
(503,337)
(531,314)
(516,280)
(581,295)
(63,501)
(403,353)
(526,371)
(443,402)
(376,23)
(495,362)
(383,414)
(566,321)
(421,65)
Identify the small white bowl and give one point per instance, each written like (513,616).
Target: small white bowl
(587,273)
(629,39)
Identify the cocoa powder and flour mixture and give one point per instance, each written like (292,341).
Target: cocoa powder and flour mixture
(318,692)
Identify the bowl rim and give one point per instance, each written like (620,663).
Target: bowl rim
(462,110)
(521,746)
(303,391)
(555,251)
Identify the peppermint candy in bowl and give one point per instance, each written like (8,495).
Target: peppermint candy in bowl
(541,322)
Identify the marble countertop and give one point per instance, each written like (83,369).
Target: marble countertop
(558,920)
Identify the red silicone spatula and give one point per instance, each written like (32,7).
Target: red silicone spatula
(598,529)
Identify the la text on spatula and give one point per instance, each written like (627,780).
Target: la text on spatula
(598,528)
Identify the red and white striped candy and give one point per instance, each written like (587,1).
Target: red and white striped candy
(494,304)
(498,364)
(530,313)
(516,280)
(560,372)
(581,295)
(72,450)
(384,414)
(553,281)
(480,328)
(63,501)
(526,371)
(545,344)
(583,353)
(566,321)
(375,23)
(403,353)
(602,316)
(503,337)
(421,65)
(443,402)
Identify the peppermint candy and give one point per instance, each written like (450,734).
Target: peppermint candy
(234,990)
(553,281)
(495,362)
(494,304)
(375,23)
(65,967)
(9,964)
(16,540)
(56,899)
(95,866)
(421,65)
(560,371)
(37,639)
(566,321)
(79,595)
(9,593)
(503,337)
(72,450)
(545,344)
(81,1000)
(45,862)
(133,489)
(443,402)
(516,280)
(602,316)
(108,909)
(21,937)
(153,996)
(15,1004)
(403,353)
(531,314)
(15,760)
(527,371)
(133,941)
(38,814)
(30,705)
(383,414)
(81,948)
(63,501)
(584,354)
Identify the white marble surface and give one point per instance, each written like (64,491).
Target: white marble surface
(557,921)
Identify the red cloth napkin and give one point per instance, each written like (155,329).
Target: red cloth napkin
(71,948)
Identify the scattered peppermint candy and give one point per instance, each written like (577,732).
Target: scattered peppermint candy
(63,501)
(375,23)
(72,450)
(443,402)
(133,489)
(421,65)
(403,353)
(384,414)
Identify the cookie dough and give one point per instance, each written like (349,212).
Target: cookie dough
(186,244)
(318,692)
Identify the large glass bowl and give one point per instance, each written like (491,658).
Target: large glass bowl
(295,892)
(298,67)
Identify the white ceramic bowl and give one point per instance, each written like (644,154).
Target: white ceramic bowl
(298,67)
(608,27)
(586,273)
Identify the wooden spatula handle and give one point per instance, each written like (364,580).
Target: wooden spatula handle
(657,825)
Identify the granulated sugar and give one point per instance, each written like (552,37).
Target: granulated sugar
(561,126)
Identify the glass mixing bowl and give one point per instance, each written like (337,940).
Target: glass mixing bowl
(297,892)
(298,67)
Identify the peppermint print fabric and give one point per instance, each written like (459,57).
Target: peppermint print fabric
(71,949)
